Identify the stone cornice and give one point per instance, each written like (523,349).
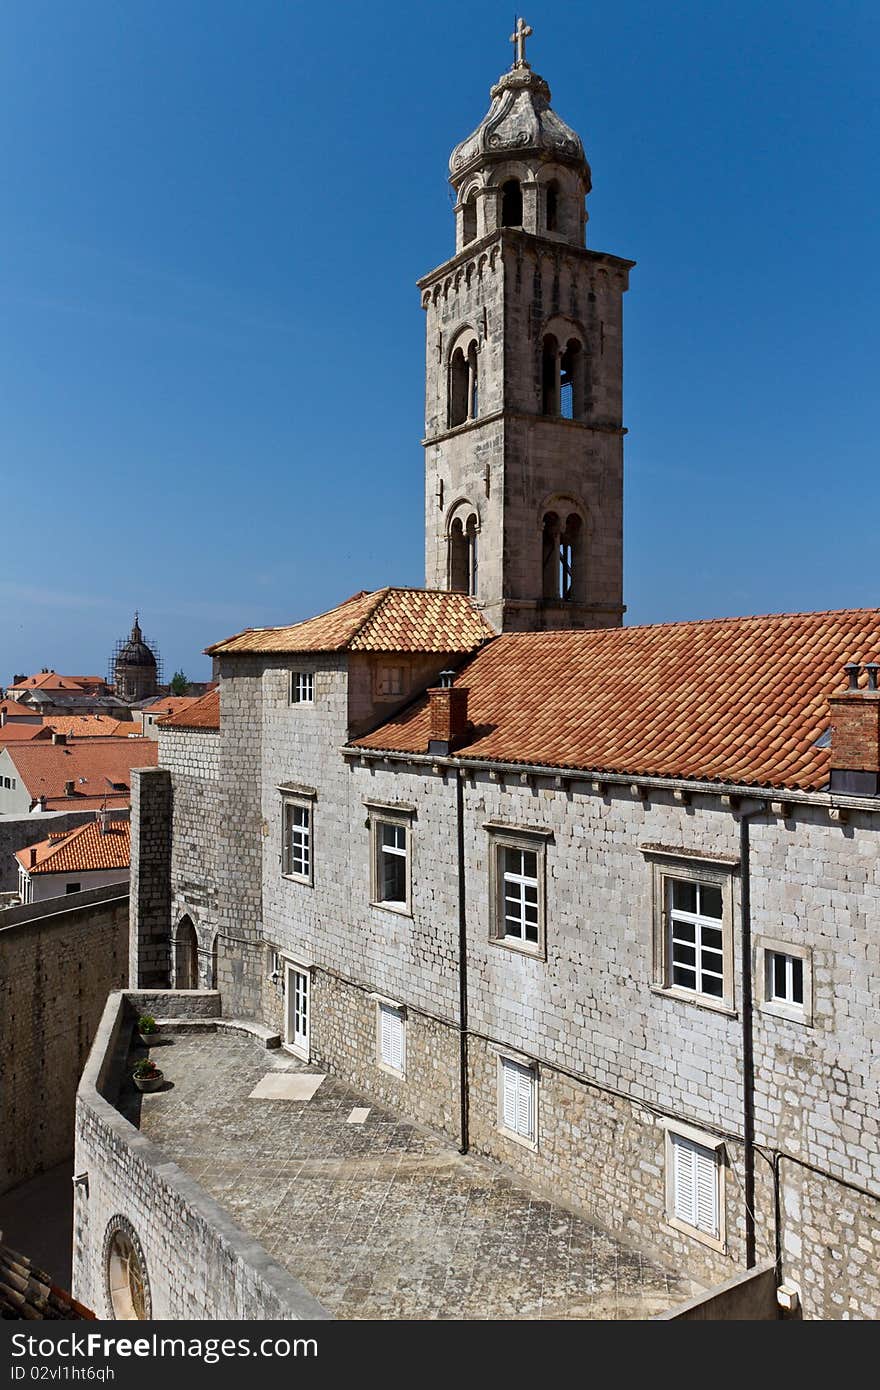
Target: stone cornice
(496,415)
(513,237)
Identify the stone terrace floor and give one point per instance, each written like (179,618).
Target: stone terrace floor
(383,1219)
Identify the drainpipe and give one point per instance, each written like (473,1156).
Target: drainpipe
(748,1052)
(462,966)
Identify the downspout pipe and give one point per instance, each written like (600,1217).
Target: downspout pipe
(464,1103)
(748,1040)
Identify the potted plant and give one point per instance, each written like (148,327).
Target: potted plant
(147,1076)
(147,1028)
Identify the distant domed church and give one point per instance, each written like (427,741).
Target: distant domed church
(136,667)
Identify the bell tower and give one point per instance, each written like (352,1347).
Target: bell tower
(524,377)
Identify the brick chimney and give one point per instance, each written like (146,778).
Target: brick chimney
(448,706)
(855,734)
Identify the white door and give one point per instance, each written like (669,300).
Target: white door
(296,990)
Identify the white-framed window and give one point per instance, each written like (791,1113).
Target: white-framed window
(391,1036)
(695,1184)
(297,841)
(693,927)
(390,681)
(391,856)
(518,1100)
(784,978)
(517,889)
(696,936)
(302,687)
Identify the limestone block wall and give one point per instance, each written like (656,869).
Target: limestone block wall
(150,902)
(192,756)
(58,961)
(198,1264)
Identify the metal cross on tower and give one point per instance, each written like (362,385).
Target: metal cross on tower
(523,31)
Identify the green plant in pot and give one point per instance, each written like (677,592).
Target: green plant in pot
(147,1028)
(147,1076)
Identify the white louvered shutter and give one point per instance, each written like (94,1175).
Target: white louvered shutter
(510,1093)
(695,1179)
(707,1191)
(684,1180)
(391,1037)
(524,1103)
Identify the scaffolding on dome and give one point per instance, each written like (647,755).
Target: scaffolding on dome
(117,649)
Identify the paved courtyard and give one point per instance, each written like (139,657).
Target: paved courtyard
(382,1219)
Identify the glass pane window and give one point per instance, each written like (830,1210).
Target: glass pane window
(785,979)
(392,866)
(696,939)
(297,842)
(302,688)
(520,894)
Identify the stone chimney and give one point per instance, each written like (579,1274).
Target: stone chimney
(448,706)
(855,734)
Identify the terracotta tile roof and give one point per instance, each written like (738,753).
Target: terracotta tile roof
(739,700)
(91,725)
(87,849)
(91,764)
(387,620)
(50,680)
(18,733)
(203,713)
(28,1294)
(170,705)
(14,709)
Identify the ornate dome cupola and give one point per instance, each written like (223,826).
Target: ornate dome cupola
(523,166)
(135,668)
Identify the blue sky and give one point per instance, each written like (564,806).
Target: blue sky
(211,355)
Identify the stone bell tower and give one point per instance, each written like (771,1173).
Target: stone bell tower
(524,377)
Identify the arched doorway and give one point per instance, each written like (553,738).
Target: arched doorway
(186,956)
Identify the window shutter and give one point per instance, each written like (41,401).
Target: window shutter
(524,1104)
(684,1180)
(706,1191)
(391,1037)
(510,1094)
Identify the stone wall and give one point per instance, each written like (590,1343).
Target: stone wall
(198,1264)
(150,945)
(192,756)
(59,959)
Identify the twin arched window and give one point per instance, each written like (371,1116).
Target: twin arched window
(463,384)
(563,385)
(463,554)
(562,557)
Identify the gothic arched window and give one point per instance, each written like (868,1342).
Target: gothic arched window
(570,381)
(511,204)
(562,557)
(463,385)
(469,219)
(552,207)
(550,376)
(463,555)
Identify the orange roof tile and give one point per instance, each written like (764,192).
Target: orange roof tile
(93,765)
(201,713)
(21,732)
(14,709)
(87,849)
(50,680)
(736,700)
(388,620)
(170,705)
(91,725)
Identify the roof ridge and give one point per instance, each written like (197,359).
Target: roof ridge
(689,622)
